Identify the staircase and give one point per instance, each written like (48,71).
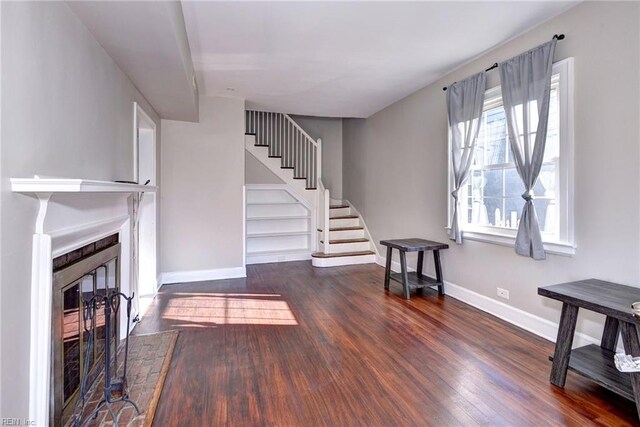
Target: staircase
(346,240)
(280,217)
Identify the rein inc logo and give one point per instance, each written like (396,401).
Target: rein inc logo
(16,422)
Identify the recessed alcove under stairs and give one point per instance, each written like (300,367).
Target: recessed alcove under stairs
(279,224)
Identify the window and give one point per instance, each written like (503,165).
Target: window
(490,201)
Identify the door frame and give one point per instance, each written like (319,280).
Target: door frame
(142,120)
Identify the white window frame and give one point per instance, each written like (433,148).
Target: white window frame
(565,244)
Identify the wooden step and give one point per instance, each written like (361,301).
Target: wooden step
(345,217)
(339,207)
(261,145)
(249,133)
(341,254)
(341,241)
(346,228)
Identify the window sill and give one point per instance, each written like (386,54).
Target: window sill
(555,248)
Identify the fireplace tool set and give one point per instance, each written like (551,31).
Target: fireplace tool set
(115,388)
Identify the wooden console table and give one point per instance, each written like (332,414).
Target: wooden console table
(417,279)
(593,361)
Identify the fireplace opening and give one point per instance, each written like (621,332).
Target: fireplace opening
(77,276)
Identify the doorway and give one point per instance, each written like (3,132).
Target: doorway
(145,230)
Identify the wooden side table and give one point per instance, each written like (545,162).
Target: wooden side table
(593,361)
(414,280)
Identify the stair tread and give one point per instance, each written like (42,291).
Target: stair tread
(341,254)
(345,217)
(338,206)
(346,228)
(339,241)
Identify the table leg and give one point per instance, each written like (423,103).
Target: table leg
(387,268)
(610,334)
(419,291)
(405,274)
(562,352)
(632,346)
(436,260)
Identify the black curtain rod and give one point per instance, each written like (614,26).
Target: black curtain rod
(495,64)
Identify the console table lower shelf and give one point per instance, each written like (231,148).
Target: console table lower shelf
(417,282)
(596,363)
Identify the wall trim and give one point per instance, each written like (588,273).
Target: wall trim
(202,275)
(529,322)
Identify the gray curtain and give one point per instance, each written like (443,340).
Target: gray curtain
(465,100)
(526,85)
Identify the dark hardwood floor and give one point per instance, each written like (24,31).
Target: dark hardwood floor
(294,345)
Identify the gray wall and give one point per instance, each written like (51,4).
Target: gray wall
(395,165)
(255,172)
(202,178)
(330,130)
(67,110)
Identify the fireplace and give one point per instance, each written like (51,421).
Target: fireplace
(93,269)
(72,214)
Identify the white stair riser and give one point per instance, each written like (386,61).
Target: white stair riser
(338,223)
(336,248)
(276,243)
(346,260)
(276,210)
(277,225)
(347,234)
(271,196)
(339,212)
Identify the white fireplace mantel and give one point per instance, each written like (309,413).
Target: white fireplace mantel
(45,187)
(47,244)
(70,185)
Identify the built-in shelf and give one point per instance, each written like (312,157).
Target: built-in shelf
(289,202)
(70,185)
(265,218)
(282,234)
(299,251)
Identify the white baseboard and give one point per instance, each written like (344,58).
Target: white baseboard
(202,275)
(529,322)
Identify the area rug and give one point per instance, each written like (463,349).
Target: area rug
(149,359)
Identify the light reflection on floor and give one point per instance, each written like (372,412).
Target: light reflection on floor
(208,310)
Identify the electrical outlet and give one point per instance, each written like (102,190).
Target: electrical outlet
(503,293)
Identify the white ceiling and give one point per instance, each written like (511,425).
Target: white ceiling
(149,43)
(344,59)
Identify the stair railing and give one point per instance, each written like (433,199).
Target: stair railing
(287,140)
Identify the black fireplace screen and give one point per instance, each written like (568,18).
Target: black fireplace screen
(97,274)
